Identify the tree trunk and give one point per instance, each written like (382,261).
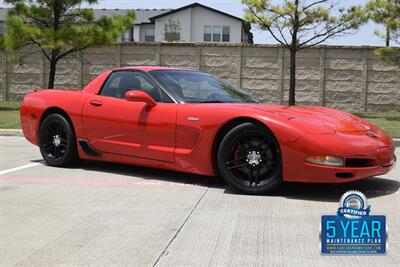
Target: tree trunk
(292,86)
(387,36)
(52,74)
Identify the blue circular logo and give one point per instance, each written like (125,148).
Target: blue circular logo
(353,205)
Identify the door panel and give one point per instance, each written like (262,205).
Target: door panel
(114,125)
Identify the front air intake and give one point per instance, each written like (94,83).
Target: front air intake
(359,162)
(344,175)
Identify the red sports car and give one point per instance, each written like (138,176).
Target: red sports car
(192,122)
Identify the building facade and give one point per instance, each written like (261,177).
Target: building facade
(200,23)
(197,23)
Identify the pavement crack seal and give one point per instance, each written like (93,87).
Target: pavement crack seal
(165,250)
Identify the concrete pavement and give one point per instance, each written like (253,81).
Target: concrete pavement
(114,215)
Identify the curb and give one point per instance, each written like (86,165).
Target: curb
(11,132)
(396,142)
(18,132)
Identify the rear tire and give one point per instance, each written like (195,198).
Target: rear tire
(57,141)
(249,159)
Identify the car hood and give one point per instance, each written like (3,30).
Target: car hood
(319,119)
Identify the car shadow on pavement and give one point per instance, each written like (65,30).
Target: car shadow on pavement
(151,174)
(372,187)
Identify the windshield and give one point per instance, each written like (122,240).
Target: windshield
(197,87)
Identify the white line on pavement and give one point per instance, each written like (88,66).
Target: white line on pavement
(19,168)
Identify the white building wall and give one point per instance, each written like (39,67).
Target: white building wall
(185,19)
(202,17)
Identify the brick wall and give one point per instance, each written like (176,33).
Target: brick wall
(349,78)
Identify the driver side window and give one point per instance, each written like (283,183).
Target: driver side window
(120,82)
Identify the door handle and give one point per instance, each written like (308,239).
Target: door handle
(96,103)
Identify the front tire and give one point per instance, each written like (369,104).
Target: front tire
(249,159)
(57,141)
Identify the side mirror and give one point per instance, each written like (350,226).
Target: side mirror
(140,96)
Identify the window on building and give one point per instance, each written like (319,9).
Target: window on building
(149,35)
(226,34)
(126,36)
(207,33)
(217,34)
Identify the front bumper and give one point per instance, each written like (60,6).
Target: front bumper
(379,151)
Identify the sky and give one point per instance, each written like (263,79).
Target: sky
(364,36)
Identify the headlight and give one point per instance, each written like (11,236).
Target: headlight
(326,160)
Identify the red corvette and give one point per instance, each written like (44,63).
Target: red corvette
(192,122)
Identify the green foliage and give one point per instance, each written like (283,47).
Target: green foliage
(389,54)
(172,29)
(60,27)
(299,24)
(387,13)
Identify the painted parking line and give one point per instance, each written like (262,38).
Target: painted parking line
(18,168)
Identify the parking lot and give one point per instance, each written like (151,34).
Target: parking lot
(110,214)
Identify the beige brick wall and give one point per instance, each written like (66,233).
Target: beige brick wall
(349,78)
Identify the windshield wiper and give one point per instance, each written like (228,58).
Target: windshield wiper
(212,101)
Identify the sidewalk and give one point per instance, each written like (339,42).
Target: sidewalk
(11,132)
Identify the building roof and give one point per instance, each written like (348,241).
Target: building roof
(142,15)
(172,11)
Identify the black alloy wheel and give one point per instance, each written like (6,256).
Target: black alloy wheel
(249,159)
(57,141)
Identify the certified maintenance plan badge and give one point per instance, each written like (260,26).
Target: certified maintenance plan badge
(353,230)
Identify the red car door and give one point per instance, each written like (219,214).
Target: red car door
(116,125)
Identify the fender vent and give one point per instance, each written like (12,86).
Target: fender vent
(88,149)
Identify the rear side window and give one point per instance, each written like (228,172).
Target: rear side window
(120,82)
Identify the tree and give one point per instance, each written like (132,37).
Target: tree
(300,24)
(172,30)
(59,28)
(391,54)
(387,13)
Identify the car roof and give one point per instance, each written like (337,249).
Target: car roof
(147,68)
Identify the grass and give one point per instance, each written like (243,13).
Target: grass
(9,115)
(387,121)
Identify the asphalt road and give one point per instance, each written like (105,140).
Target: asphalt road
(113,215)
